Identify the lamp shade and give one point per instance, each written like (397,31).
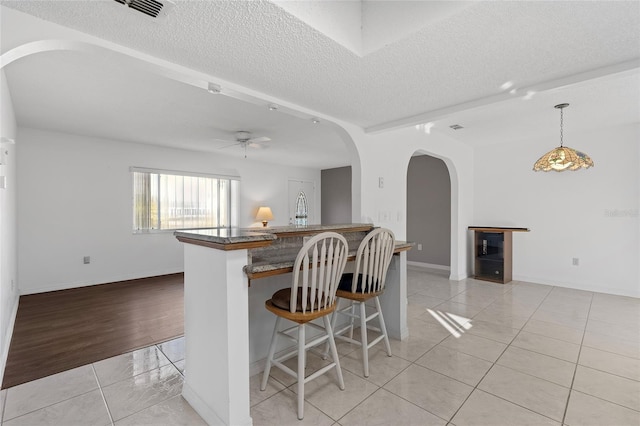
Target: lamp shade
(563,158)
(264,215)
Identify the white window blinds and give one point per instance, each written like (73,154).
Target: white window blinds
(165,200)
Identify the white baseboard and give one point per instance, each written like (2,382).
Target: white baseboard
(9,334)
(578,286)
(428,265)
(113,279)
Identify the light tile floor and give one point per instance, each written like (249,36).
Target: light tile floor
(478,354)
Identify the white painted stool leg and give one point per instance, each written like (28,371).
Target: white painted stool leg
(363,334)
(383,327)
(334,351)
(301,375)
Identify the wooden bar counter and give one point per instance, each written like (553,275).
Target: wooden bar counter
(227,328)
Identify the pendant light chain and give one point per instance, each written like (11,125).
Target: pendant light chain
(561,126)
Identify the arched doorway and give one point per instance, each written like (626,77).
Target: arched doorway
(429,212)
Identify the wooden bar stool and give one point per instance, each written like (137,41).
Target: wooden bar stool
(372,262)
(316,274)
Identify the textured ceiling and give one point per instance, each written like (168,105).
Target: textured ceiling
(82,93)
(462,57)
(458,63)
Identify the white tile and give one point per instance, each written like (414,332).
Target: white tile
(511,308)
(3,398)
(489,330)
(611,363)
(127,365)
(142,391)
(180,366)
(460,309)
(411,348)
(561,318)
(432,391)
(49,390)
(542,366)
(569,306)
(587,410)
(609,387)
(555,331)
(384,408)
(465,368)
(323,392)
(477,346)
(444,292)
(172,412)
(540,396)
(424,301)
(483,409)
(282,410)
(502,318)
(86,409)
(474,299)
(173,349)
(609,343)
(256,396)
(547,346)
(627,331)
(382,367)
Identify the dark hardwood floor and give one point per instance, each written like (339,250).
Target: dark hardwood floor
(61,330)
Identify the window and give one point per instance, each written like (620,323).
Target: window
(164,200)
(302,209)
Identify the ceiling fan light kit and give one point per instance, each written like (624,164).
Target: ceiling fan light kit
(244,140)
(562,158)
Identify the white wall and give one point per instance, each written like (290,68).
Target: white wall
(589,214)
(75,200)
(8,259)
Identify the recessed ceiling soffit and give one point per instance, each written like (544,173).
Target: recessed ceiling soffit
(366,26)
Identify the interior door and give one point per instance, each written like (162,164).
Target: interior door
(298,189)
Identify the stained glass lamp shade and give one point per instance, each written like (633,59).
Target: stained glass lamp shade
(563,158)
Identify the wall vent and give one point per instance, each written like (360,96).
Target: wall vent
(151,8)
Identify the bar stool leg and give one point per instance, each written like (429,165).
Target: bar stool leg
(363,334)
(383,327)
(352,319)
(301,365)
(272,351)
(334,351)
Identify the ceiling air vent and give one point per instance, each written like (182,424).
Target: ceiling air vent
(148,7)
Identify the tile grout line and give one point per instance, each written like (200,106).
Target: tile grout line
(575,370)
(496,362)
(102,394)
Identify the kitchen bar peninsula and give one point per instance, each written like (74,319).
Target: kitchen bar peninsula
(228,274)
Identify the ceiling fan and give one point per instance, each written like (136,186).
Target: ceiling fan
(244,140)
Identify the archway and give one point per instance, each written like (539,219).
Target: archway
(429,212)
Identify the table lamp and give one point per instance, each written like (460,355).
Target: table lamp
(264,215)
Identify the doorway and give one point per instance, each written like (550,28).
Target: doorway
(429,212)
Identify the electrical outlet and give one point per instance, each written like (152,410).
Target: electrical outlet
(576,261)
(419,246)
(13,286)
(381,182)
(87,260)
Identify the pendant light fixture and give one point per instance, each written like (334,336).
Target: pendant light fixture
(562,158)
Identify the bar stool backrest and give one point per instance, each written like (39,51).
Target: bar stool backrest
(372,261)
(317,272)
